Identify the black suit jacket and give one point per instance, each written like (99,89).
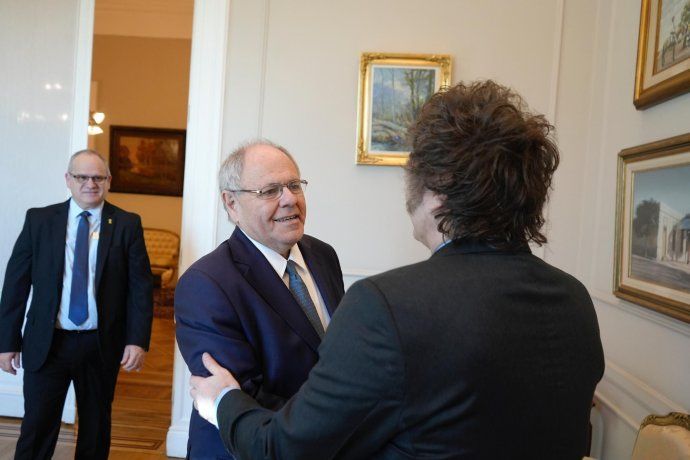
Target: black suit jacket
(123,284)
(233,305)
(472,354)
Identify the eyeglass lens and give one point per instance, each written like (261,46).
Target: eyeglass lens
(82,178)
(275,190)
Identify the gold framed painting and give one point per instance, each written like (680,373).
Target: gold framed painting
(148,161)
(652,247)
(392,90)
(663,52)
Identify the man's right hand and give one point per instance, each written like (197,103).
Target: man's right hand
(10,361)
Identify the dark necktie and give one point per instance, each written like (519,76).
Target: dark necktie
(301,294)
(79,298)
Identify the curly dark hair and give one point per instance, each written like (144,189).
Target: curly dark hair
(491,160)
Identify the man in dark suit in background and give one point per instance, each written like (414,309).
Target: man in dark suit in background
(91,310)
(262,300)
(481,351)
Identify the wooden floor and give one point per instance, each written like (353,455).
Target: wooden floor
(141,410)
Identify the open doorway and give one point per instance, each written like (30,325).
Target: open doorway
(59,39)
(140,85)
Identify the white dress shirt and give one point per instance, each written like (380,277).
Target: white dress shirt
(63,321)
(279,264)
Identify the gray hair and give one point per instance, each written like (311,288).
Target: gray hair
(230,171)
(87,152)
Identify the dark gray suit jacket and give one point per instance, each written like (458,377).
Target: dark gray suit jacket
(473,354)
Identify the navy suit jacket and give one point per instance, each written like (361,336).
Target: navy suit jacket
(232,304)
(124,284)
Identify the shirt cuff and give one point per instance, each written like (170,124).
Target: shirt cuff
(216,403)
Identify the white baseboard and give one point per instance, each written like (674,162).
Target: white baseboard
(176,441)
(11,401)
(630,398)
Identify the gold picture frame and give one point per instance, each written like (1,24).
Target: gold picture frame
(663,52)
(652,243)
(147,161)
(385,111)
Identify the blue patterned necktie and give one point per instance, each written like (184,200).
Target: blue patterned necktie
(79,297)
(301,294)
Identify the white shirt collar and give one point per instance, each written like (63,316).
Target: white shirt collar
(277,261)
(75,210)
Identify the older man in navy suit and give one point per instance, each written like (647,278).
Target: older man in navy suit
(262,300)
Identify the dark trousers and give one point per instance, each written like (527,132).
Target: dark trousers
(74,357)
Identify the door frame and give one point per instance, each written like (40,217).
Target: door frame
(200,204)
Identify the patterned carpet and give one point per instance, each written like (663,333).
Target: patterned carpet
(163,301)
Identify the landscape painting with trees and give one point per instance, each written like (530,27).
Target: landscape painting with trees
(392,90)
(397,96)
(147,160)
(673,42)
(663,52)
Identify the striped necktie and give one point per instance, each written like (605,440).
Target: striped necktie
(301,294)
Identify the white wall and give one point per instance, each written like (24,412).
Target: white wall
(648,365)
(37,135)
(293,69)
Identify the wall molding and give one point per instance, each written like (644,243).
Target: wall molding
(551,111)
(207,79)
(262,78)
(641,312)
(82,75)
(631,399)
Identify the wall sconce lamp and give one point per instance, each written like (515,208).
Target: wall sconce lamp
(95,119)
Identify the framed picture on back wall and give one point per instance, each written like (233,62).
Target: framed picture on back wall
(663,52)
(147,161)
(652,261)
(392,90)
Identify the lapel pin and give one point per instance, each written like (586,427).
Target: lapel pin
(110,221)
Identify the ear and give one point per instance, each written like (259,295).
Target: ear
(435,201)
(67,179)
(230,203)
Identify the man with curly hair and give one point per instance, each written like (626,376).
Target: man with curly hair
(481,351)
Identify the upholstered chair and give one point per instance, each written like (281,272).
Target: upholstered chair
(663,437)
(163,247)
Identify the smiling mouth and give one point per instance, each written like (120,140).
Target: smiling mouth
(285,219)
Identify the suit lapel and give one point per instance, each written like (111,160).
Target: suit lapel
(266,282)
(318,272)
(104,238)
(58,237)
